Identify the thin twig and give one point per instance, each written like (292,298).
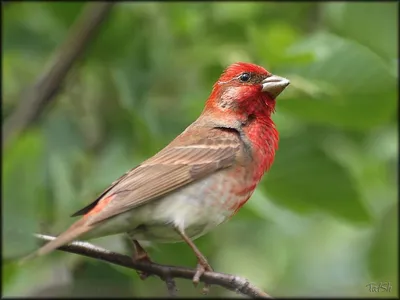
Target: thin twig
(42,92)
(165,272)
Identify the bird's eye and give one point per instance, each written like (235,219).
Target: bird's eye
(244,77)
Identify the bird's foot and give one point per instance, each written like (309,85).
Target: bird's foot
(141,255)
(202,265)
(200,269)
(143,259)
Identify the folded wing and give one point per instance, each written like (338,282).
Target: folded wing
(185,160)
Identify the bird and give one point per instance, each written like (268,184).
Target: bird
(200,179)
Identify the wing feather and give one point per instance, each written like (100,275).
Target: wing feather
(173,167)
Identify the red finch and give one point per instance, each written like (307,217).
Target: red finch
(201,179)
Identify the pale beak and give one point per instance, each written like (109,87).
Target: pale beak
(274,85)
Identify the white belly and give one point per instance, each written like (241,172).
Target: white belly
(195,209)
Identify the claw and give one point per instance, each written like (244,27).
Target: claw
(202,265)
(144,259)
(142,275)
(141,255)
(199,272)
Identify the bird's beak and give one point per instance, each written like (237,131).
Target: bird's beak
(274,85)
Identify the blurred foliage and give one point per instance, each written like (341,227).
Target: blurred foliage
(324,220)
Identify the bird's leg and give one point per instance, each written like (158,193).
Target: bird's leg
(202,263)
(141,255)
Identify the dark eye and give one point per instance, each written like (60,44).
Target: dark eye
(244,77)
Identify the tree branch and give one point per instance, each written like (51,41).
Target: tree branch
(166,273)
(42,92)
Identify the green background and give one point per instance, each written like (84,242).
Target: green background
(323,221)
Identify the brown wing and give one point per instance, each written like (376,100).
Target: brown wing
(188,158)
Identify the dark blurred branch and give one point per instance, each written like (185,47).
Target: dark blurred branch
(171,286)
(43,91)
(166,273)
(315,16)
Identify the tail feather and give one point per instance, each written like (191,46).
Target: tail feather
(76,229)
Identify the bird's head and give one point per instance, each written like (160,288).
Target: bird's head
(246,87)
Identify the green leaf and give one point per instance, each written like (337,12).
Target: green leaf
(347,86)
(22,190)
(303,178)
(9,271)
(98,279)
(66,13)
(349,112)
(371,24)
(64,147)
(383,254)
(33,29)
(118,26)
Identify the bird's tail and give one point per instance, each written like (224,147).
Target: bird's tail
(76,229)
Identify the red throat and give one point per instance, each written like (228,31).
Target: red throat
(260,106)
(233,100)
